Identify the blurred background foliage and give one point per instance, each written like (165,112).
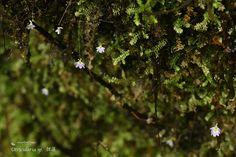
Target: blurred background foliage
(167,75)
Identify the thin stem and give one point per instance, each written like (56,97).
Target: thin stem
(64,13)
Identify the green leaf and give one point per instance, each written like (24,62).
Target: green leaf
(209,116)
(122,57)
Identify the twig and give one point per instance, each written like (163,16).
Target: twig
(3,33)
(48,36)
(64,13)
(106,148)
(155,84)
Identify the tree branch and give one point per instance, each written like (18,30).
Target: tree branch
(48,36)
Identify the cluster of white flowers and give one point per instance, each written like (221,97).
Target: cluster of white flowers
(31,26)
(79,64)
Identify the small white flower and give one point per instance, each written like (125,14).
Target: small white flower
(79,64)
(45,91)
(100,49)
(149,120)
(170,143)
(58,30)
(30,25)
(215,131)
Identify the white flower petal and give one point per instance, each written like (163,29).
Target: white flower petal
(100,49)
(45,91)
(58,30)
(170,143)
(79,64)
(215,131)
(30,25)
